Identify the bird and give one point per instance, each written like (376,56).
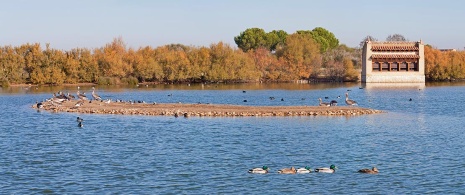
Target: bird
(81,96)
(333,103)
(349,101)
(410,99)
(71,96)
(80,124)
(282,99)
(79,103)
(323,103)
(39,105)
(306,169)
(374,170)
(79,119)
(262,170)
(291,170)
(331,169)
(244,91)
(245,101)
(95,96)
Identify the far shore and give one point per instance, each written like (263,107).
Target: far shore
(200,110)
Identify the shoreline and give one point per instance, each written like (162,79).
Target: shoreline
(201,110)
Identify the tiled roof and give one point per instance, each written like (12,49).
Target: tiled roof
(398,47)
(394,56)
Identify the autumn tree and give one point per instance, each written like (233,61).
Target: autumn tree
(300,55)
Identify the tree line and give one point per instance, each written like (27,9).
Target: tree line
(260,56)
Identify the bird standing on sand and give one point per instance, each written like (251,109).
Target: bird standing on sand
(95,96)
(349,101)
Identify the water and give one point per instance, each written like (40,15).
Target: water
(417,145)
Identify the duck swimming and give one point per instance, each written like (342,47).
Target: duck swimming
(374,170)
(262,170)
(291,170)
(331,169)
(306,169)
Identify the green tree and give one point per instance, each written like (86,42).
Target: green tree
(252,39)
(325,38)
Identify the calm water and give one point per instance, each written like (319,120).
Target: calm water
(417,145)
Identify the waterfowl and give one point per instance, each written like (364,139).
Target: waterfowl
(79,103)
(331,169)
(79,119)
(323,103)
(374,170)
(262,170)
(306,169)
(81,96)
(71,96)
(80,124)
(39,105)
(333,103)
(291,170)
(95,96)
(349,101)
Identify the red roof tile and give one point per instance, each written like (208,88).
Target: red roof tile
(394,56)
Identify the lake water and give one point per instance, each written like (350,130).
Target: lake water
(417,145)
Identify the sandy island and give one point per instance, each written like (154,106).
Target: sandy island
(212,110)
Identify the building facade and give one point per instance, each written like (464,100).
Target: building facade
(393,62)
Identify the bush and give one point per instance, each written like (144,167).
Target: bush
(108,81)
(130,81)
(5,83)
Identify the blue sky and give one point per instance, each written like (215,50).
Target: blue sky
(67,24)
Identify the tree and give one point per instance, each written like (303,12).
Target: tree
(300,55)
(252,39)
(326,39)
(367,38)
(396,37)
(276,38)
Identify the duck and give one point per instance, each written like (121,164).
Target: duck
(333,103)
(39,105)
(306,169)
(262,170)
(80,124)
(323,103)
(291,170)
(79,119)
(374,170)
(331,169)
(349,101)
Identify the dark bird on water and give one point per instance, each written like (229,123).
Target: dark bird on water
(79,119)
(410,99)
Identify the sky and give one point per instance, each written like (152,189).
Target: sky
(68,24)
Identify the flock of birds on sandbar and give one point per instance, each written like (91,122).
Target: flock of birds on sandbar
(306,169)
